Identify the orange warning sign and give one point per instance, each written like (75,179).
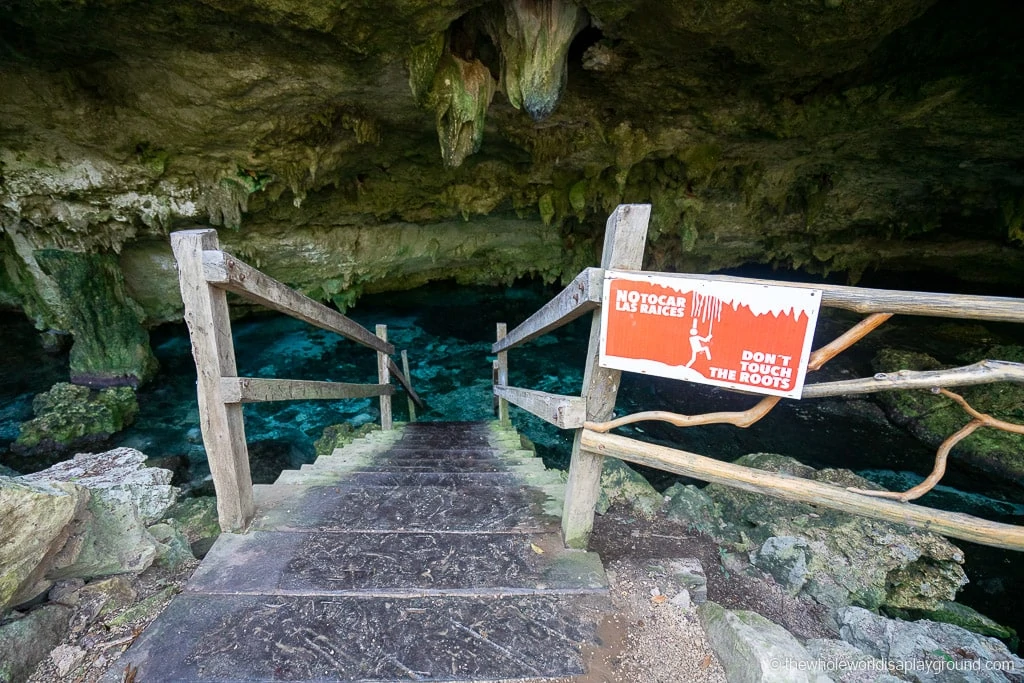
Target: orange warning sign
(730,334)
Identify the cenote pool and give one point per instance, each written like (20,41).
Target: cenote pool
(447,331)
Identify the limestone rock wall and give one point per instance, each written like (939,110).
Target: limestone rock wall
(824,134)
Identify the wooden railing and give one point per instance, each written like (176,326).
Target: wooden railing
(590,412)
(205,275)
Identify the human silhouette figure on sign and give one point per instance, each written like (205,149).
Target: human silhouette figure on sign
(698,344)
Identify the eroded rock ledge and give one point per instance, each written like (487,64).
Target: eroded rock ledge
(828,135)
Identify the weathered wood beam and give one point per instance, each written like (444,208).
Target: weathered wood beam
(865,300)
(565,412)
(259,390)
(625,236)
(227,272)
(405,380)
(501,331)
(384,363)
(786,487)
(209,328)
(581,295)
(411,396)
(982,372)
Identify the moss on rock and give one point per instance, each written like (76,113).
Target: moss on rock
(842,559)
(71,416)
(110,346)
(340,435)
(934,418)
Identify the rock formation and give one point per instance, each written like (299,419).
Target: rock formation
(820,134)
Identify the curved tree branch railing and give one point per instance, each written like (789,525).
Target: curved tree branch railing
(591,412)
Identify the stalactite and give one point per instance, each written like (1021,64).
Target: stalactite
(461,92)
(534,37)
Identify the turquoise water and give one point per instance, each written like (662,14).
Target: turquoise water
(447,331)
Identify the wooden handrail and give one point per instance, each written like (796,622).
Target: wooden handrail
(565,412)
(227,272)
(786,487)
(982,372)
(400,375)
(205,275)
(863,300)
(581,295)
(259,390)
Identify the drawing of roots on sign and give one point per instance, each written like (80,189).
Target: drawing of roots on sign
(730,334)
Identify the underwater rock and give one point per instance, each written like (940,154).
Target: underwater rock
(69,417)
(834,557)
(34,530)
(997,454)
(460,95)
(533,37)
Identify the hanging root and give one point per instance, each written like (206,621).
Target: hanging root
(980,420)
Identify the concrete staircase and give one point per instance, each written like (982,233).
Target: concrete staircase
(430,552)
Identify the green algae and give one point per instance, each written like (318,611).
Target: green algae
(933,418)
(110,345)
(459,96)
(533,38)
(70,414)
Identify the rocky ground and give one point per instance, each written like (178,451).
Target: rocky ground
(706,584)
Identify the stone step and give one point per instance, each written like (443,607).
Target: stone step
(414,465)
(381,564)
(321,476)
(347,507)
(455,479)
(236,638)
(402,451)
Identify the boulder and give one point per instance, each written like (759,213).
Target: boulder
(848,664)
(785,558)
(692,506)
(174,550)
(125,497)
(35,519)
(622,484)
(927,651)
(753,649)
(27,641)
(837,558)
(119,476)
(197,519)
(963,616)
(71,417)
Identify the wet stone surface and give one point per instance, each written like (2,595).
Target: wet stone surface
(260,638)
(412,562)
(401,508)
(399,562)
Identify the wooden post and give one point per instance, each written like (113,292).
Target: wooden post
(502,376)
(384,377)
(206,313)
(625,236)
(408,380)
